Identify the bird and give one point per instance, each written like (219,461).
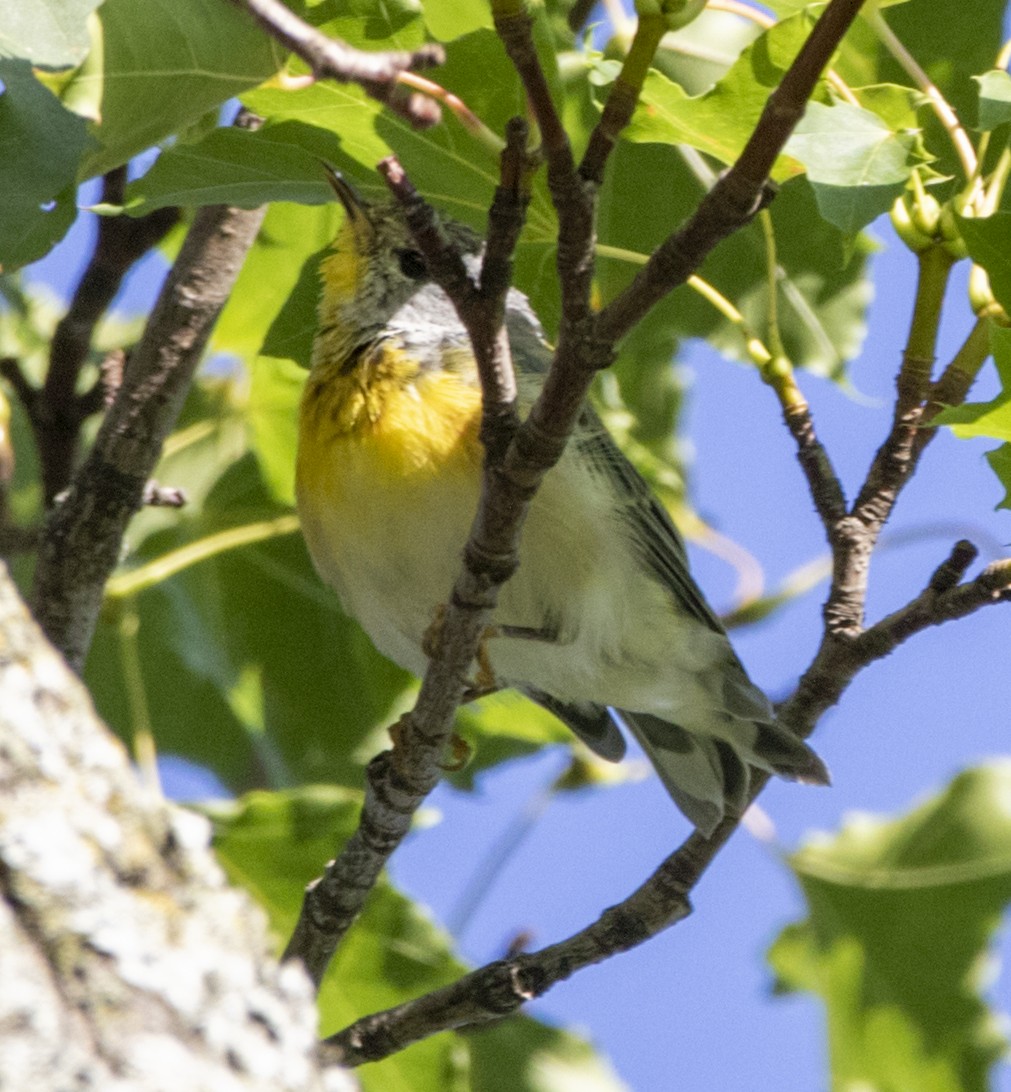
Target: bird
(601,623)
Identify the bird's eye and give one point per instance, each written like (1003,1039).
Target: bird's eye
(412,264)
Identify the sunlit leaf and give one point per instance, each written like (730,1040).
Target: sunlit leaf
(504,726)
(994,98)
(1000,463)
(901,918)
(720,121)
(162,64)
(952,51)
(449,19)
(49,33)
(856,164)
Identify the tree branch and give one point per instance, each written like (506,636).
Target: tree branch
(741,191)
(398,781)
(83,534)
(823,482)
(501,988)
(121,944)
(330,58)
(58,410)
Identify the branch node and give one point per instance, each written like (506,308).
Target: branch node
(950,573)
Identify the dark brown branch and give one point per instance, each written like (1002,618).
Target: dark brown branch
(854,536)
(579,13)
(501,988)
(573,197)
(741,191)
(893,462)
(823,482)
(83,534)
(59,411)
(17,540)
(397,781)
(11,370)
(330,58)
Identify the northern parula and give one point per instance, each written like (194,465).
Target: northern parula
(601,623)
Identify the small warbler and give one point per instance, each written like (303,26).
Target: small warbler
(602,623)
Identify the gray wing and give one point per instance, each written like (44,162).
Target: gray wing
(656,537)
(654,534)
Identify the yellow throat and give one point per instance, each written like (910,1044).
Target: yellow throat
(375,417)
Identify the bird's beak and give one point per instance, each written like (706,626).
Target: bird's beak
(354,205)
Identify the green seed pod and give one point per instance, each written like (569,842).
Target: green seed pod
(676,13)
(981,297)
(907,230)
(951,237)
(926,214)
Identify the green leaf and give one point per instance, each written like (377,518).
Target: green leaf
(720,121)
(236,167)
(371,24)
(49,33)
(273,421)
(449,19)
(856,163)
(989,419)
(697,56)
(273,270)
(157,66)
(1000,463)
(445,162)
(504,726)
(40,145)
(902,914)
(273,844)
(994,99)
(951,51)
(823,290)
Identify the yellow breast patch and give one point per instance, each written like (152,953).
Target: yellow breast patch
(385,425)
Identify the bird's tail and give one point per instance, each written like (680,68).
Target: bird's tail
(708,777)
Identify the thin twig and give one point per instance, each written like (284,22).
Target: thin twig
(330,58)
(938,103)
(853,537)
(823,482)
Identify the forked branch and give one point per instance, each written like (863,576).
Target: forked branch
(399,780)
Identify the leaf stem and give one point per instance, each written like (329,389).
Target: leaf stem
(772,274)
(145,753)
(939,104)
(156,572)
(485,136)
